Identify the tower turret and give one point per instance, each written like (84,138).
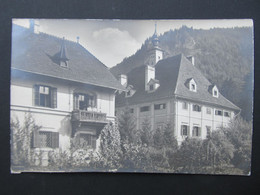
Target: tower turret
(155,53)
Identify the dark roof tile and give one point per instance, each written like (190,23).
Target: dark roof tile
(172,74)
(40,54)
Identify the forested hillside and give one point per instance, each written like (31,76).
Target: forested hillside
(225,57)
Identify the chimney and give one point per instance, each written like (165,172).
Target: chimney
(191,59)
(123,79)
(77,39)
(149,74)
(34,26)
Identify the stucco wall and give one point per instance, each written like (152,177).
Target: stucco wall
(55,119)
(176,116)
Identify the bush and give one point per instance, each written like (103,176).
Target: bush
(21,152)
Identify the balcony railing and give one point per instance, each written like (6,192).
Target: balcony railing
(88,116)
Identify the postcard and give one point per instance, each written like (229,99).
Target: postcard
(152,96)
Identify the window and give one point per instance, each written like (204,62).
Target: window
(184,130)
(208,110)
(45,139)
(159,106)
(196,108)
(196,131)
(85,140)
(64,64)
(128,93)
(218,112)
(227,114)
(84,101)
(151,87)
(45,96)
(215,91)
(131,110)
(208,128)
(184,105)
(192,85)
(144,108)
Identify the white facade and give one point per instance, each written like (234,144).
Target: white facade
(56,119)
(172,111)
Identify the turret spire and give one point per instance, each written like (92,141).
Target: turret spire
(63,59)
(155,28)
(155,39)
(63,53)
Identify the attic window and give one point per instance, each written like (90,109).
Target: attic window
(151,87)
(215,91)
(192,85)
(64,64)
(130,91)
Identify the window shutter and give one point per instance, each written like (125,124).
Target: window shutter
(188,131)
(193,131)
(93,142)
(54,97)
(55,139)
(36,95)
(199,131)
(74,101)
(181,129)
(35,139)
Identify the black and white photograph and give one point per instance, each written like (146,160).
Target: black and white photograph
(145,96)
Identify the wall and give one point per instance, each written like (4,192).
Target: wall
(176,116)
(156,117)
(54,119)
(200,119)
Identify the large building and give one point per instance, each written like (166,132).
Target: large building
(69,93)
(173,91)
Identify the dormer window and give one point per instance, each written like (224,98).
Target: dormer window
(130,91)
(151,87)
(192,85)
(64,64)
(215,92)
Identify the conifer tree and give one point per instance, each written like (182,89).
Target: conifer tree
(146,134)
(126,125)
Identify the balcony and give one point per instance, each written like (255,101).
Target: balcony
(89,116)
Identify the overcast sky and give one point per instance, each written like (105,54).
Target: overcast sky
(113,40)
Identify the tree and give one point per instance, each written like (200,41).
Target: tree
(126,125)
(169,138)
(110,146)
(239,134)
(21,140)
(188,158)
(158,138)
(217,149)
(146,134)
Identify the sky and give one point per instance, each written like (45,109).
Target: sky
(113,40)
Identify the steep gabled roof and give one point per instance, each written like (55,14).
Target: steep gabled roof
(172,74)
(41,53)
